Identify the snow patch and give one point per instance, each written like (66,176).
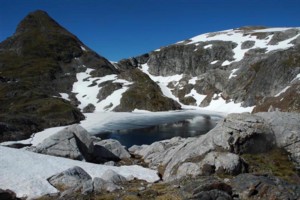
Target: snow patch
(221,105)
(208,46)
(83,49)
(65,96)
(193,80)
(214,62)
(226,62)
(282,91)
(26,172)
(296,78)
(232,73)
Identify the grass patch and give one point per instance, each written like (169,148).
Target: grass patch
(275,162)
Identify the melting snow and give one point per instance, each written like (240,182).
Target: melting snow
(87,90)
(282,91)
(26,173)
(218,105)
(83,49)
(296,78)
(226,62)
(208,46)
(232,73)
(65,96)
(163,81)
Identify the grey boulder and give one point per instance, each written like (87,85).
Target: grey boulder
(114,147)
(70,178)
(72,142)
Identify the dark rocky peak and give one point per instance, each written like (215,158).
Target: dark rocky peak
(39,20)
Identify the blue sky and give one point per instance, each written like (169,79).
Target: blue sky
(119,29)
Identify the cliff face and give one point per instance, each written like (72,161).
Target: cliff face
(252,66)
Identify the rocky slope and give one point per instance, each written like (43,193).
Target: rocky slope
(253,66)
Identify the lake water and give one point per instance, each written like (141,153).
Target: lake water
(146,129)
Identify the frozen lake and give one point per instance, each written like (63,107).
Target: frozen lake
(139,129)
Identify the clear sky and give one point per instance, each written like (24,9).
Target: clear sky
(119,29)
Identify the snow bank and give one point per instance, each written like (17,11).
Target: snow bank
(26,173)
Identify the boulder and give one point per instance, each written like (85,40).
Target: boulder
(101,185)
(223,163)
(72,142)
(115,147)
(113,177)
(71,178)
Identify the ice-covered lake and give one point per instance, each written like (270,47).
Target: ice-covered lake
(139,129)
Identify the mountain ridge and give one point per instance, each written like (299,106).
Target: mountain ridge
(49,77)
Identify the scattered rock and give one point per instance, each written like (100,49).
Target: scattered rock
(250,186)
(207,187)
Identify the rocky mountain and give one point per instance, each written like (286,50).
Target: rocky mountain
(248,66)
(48,77)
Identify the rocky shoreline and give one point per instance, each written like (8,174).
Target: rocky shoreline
(246,156)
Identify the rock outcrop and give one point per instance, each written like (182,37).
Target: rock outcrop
(219,150)
(144,94)
(286,128)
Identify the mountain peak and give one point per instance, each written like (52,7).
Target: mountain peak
(37,20)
